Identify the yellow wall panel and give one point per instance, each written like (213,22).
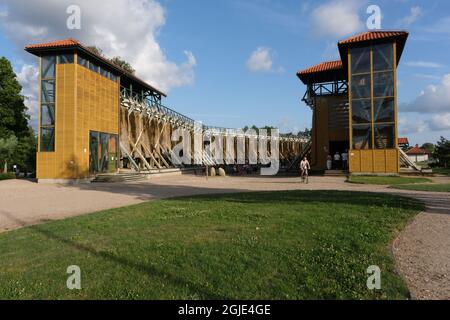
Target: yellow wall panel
(85,101)
(366,161)
(354,161)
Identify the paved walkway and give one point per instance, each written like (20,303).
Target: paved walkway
(422,250)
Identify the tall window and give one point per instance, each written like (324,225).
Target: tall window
(373,97)
(47,125)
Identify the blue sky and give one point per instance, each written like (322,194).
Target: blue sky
(199,52)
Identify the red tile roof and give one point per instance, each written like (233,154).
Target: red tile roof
(324,71)
(416,150)
(322,67)
(403,141)
(73,43)
(69,42)
(373,35)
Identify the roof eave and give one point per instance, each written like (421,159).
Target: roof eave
(122,72)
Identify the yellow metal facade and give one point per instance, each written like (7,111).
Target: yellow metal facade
(85,101)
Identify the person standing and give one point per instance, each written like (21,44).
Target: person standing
(337,160)
(344,157)
(16,171)
(329,162)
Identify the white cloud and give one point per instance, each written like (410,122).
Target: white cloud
(415,14)
(28,77)
(126,28)
(424,64)
(261,60)
(433,99)
(337,18)
(432,107)
(440,122)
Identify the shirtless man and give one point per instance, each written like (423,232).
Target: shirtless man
(304,167)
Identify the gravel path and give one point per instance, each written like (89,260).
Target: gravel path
(422,250)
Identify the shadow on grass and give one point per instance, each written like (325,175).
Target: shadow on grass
(139,267)
(322,196)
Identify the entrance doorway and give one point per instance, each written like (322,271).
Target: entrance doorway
(338,146)
(103,152)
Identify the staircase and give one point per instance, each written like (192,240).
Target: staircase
(120,177)
(305,152)
(407,163)
(133,176)
(335,173)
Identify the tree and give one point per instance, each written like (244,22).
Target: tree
(306,134)
(118,61)
(96,50)
(8,147)
(442,152)
(13,117)
(429,147)
(18,140)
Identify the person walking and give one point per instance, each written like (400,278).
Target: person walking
(337,160)
(344,157)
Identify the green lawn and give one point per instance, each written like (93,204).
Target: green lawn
(388,180)
(274,245)
(425,187)
(444,171)
(6,176)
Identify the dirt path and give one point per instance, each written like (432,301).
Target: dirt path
(422,250)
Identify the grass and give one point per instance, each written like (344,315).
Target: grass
(386,180)
(425,187)
(268,245)
(6,176)
(443,171)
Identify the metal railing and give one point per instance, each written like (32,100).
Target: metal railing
(140,103)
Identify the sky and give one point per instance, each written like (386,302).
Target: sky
(233,63)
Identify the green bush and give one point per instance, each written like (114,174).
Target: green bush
(6,176)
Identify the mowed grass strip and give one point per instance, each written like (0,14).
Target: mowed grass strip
(445,187)
(269,245)
(386,180)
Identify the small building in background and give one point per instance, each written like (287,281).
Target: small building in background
(417,154)
(403,143)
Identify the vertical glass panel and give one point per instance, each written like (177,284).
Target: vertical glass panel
(47,115)
(362,137)
(48,67)
(48,91)
(383,57)
(104,159)
(93,151)
(384,136)
(93,67)
(361,86)
(360,58)
(383,84)
(47,139)
(361,111)
(104,72)
(384,110)
(112,77)
(112,164)
(82,61)
(65,58)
